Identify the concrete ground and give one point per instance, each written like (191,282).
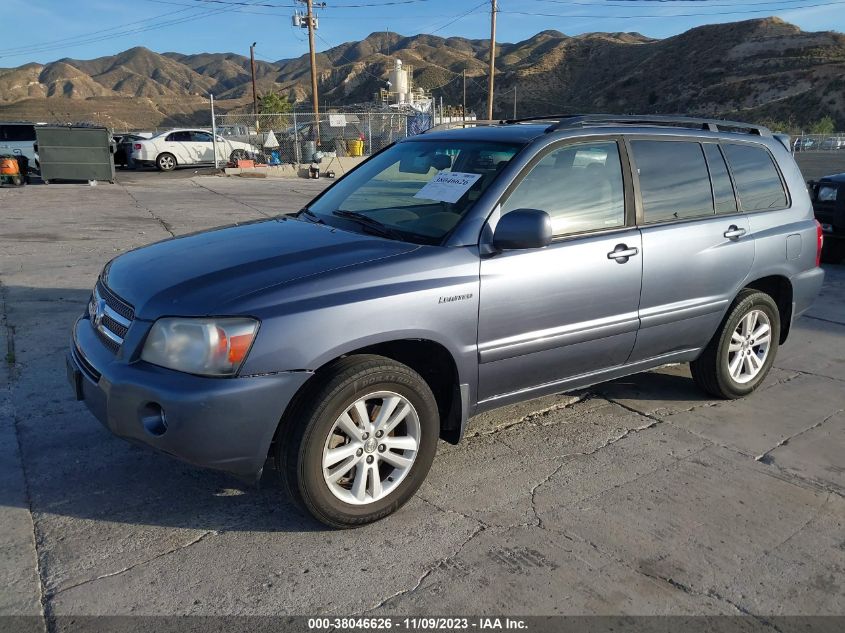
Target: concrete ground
(640,496)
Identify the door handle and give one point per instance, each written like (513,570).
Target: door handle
(734,232)
(621,253)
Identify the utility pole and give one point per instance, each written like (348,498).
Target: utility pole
(493,10)
(514,101)
(464,103)
(213,131)
(315,98)
(254,93)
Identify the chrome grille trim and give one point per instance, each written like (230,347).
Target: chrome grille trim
(110,316)
(114,302)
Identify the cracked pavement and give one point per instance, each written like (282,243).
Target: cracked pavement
(639,496)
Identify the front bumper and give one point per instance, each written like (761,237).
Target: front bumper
(221,423)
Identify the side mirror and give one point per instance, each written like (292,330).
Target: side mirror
(523,229)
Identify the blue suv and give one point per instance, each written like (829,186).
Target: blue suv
(454,272)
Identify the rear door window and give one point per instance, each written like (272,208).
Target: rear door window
(179,137)
(17,133)
(723,191)
(757,180)
(674,181)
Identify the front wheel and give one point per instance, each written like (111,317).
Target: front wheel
(359,443)
(741,353)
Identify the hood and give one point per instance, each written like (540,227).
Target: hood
(194,274)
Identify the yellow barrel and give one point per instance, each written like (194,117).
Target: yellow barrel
(10,167)
(355,147)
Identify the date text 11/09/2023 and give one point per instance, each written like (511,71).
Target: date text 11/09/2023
(417,624)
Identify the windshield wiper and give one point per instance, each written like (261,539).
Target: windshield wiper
(313,217)
(371,223)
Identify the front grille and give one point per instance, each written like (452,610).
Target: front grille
(115,303)
(110,316)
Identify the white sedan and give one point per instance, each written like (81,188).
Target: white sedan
(176,148)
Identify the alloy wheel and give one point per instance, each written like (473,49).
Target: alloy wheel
(749,346)
(371,448)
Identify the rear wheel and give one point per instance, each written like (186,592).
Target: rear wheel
(358,444)
(741,353)
(237,155)
(166,162)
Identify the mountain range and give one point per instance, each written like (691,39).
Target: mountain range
(754,69)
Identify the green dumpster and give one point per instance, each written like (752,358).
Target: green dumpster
(75,152)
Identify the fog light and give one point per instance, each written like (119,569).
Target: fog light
(152,417)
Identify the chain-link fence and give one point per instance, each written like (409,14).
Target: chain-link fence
(294,138)
(819,142)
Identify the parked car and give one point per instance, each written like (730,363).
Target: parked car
(828,196)
(176,148)
(18,139)
(804,144)
(833,143)
(239,132)
(125,145)
(455,272)
(332,138)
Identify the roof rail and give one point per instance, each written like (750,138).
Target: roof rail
(468,123)
(567,121)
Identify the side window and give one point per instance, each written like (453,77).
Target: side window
(723,190)
(201,137)
(579,186)
(757,181)
(178,137)
(674,182)
(18,133)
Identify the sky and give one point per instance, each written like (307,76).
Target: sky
(46,30)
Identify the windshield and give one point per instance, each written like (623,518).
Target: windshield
(419,190)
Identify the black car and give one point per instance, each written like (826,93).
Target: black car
(828,195)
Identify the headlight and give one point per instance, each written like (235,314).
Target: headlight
(827,194)
(209,347)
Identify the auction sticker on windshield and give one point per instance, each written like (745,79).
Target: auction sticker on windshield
(447,186)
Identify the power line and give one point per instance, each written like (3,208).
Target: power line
(284,10)
(112,28)
(631,4)
(700,3)
(56,45)
(460,17)
(667,15)
(341,6)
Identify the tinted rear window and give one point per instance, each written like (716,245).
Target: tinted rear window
(179,137)
(757,181)
(17,133)
(723,191)
(674,182)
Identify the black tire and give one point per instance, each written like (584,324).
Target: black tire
(236,155)
(833,251)
(710,370)
(306,428)
(166,162)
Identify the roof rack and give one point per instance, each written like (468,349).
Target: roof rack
(568,121)
(468,123)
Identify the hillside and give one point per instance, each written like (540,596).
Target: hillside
(751,69)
